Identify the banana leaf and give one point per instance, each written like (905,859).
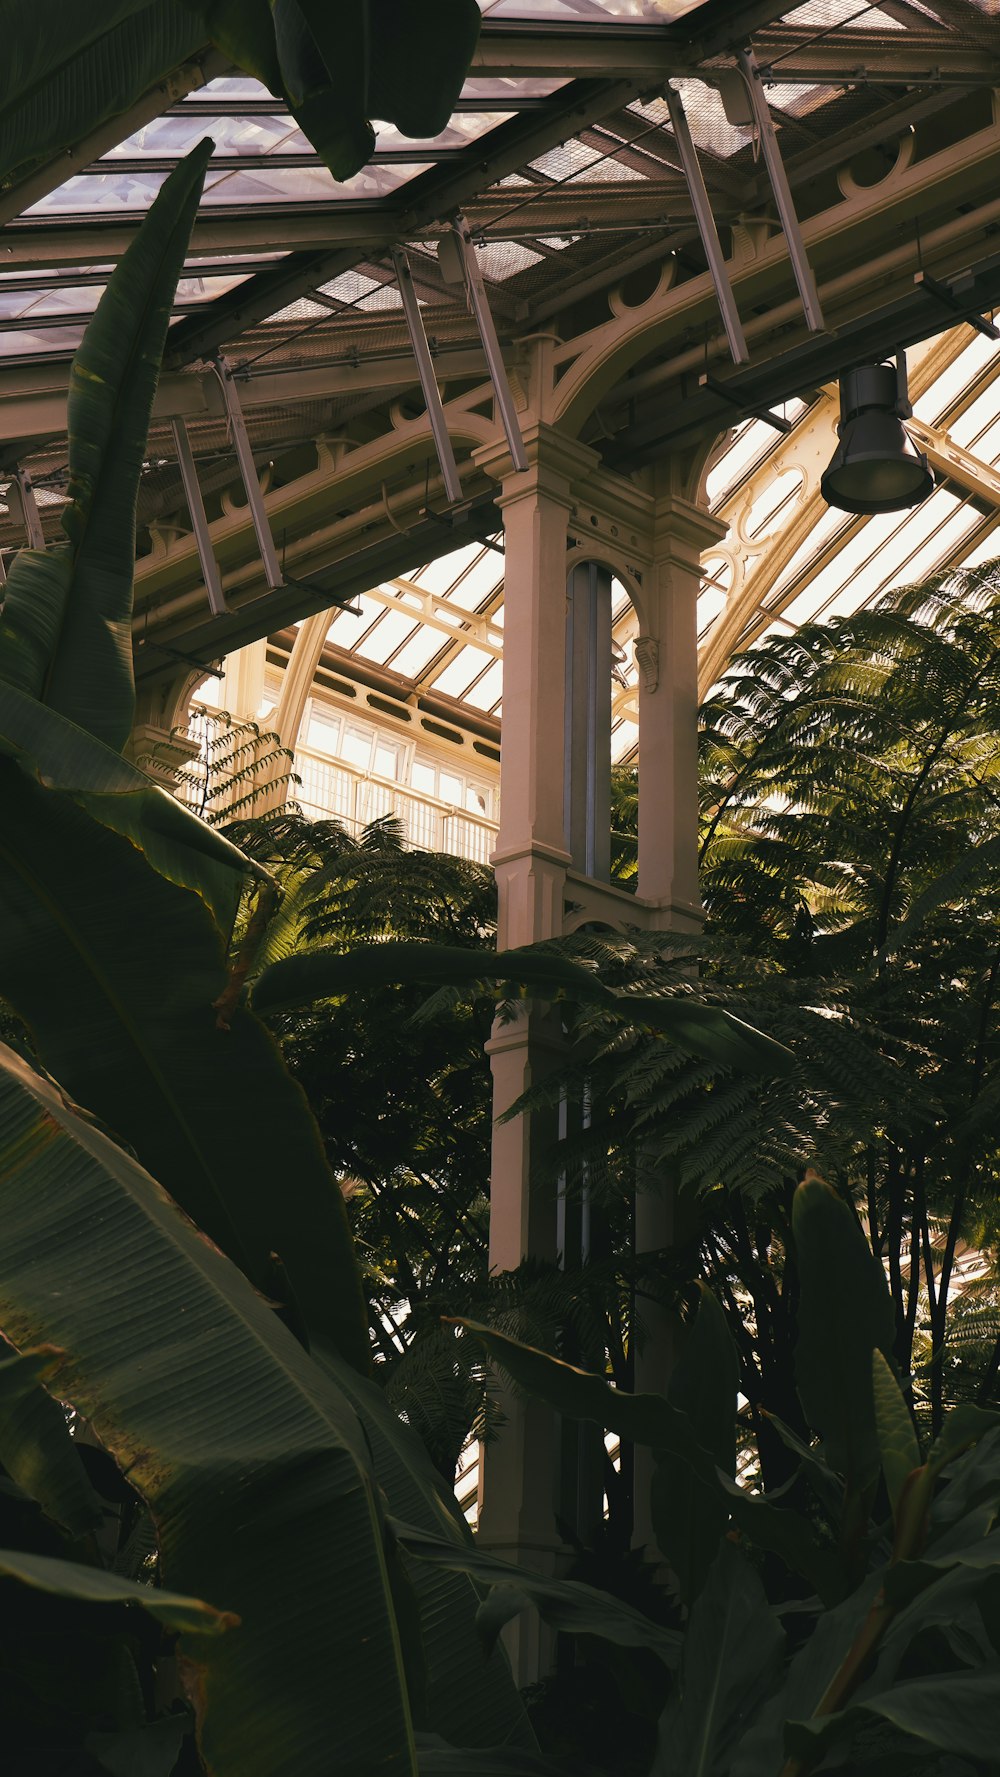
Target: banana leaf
(66,628)
(250,1459)
(732,1653)
(570,1605)
(66,69)
(845,1313)
(92,1585)
(691,1518)
(954,1712)
(36,1449)
(115,970)
(470,1701)
(325,973)
(653,1421)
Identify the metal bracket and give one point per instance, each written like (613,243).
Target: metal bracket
(479,302)
(736,399)
(29,509)
(801,269)
(199,519)
(706,225)
(248,470)
(949,298)
(428,381)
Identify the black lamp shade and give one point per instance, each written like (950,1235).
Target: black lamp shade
(876,467)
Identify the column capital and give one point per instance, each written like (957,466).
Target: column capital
(682,529)
(556,463)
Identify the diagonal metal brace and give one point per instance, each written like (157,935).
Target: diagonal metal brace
(199,519)
(29,509)
(949,296)
(706,225)
(801,269)
(428,381)
(479,302)
(248,470)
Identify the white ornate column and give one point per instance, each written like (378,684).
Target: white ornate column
(519,1473)
(667,655)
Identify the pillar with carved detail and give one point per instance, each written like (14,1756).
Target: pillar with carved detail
(667,657)
(519,1472)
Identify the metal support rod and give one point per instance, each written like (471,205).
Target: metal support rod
(491,345)
(949,298)
(428,381)
(756,410)
(706,226)
(801,269)
(29,509)
(199,519)
(248,469)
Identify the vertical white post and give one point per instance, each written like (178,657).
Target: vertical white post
(519,1473)
(668,852)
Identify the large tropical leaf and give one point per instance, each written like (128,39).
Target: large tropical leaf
(174,841)
(36,1450)
(845,1313)
(67,69)
(570,1605)
(471,1702)
(954,1712)
(652,1420)
(251,1460)
(326,973)
(732,1651)
(66,629)
(92,1585)
(691,1517)
(115,969)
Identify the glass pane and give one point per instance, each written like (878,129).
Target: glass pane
(357,748)
(386,759)
(633,12)
(323,734)
(450,788)
(423,778)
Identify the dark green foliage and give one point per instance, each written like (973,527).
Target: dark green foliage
(900,1664)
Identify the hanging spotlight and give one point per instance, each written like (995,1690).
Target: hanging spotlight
(876,467)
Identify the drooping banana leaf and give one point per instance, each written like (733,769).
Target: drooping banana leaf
(324,973)
(93,1585)
(653,1421)
(691,1517)
(251,1461)
(115,970)
(57,754)
(845,1313)
(66,69)
(570,1605)
(470,1701)
(732,1653)
(66,628)
(36,1450)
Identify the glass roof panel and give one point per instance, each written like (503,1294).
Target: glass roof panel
(463,127)
(511,86)
(303,184)
(45,340)
(415,653)
(575,12)
(232,134)
(394,629)
(487,690)
(455,679)
(825,13)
